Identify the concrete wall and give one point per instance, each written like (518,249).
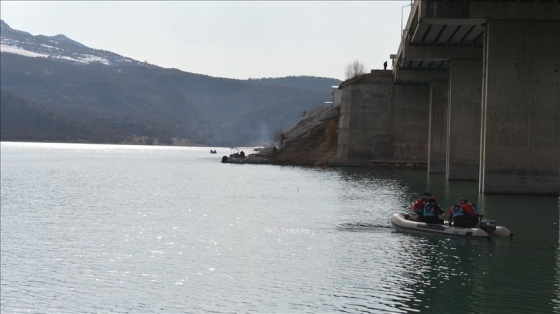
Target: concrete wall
(465,96)
(502,120)
(437,156)
(344,125)
(521,108)
(383,122)
(411,106)
(336,96)
(365,117)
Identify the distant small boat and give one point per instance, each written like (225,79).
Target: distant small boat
(212,151)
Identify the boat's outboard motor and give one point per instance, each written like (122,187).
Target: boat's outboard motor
(488,225)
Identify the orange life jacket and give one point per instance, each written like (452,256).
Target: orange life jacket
(418,206)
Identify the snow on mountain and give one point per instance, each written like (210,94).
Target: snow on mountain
(58,47)
(19,51)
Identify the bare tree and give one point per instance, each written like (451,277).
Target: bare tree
(354,69)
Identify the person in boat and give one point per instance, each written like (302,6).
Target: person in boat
(463,214)
(432,211)
(418,206)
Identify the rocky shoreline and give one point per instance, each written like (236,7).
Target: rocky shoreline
(311,142)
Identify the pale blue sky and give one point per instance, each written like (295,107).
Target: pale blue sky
(233,39)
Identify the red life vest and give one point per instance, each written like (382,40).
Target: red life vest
(418,206)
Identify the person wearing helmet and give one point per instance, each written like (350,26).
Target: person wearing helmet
(463,214)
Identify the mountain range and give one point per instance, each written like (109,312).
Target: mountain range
(55,89)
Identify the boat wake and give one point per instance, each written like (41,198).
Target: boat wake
(360,226)
(287,230)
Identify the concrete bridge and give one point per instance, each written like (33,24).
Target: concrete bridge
(474,93)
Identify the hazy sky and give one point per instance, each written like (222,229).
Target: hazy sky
(232,39)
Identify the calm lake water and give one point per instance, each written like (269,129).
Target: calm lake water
(138,229)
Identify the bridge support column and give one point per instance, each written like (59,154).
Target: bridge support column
(437,142)
(381,122)
(365,117)
(521,108)
(411,108)
(463,142)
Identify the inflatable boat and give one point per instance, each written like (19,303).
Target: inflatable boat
(487,228)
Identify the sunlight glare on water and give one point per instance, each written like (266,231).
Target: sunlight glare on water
(110,228)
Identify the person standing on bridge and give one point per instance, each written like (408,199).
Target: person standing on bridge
(385,65)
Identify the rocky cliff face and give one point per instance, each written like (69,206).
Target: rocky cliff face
(312,142)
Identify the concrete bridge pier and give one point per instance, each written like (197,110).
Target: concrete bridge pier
(381,122)
(463,142)
(475,95)
(365,122)
(437,138)
(411,105)
(521,108)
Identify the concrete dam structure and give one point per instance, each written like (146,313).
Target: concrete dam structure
(474,93)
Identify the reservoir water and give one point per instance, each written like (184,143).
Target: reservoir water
(144,229)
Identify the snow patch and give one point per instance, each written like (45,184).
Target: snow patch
(50,47)
(84,59)
(70,59)
(20,51)
(90,59)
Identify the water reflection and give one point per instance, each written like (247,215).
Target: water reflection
(400,187)
(536,219)
(372,195)
(463,276)
(124,229)
(440,275)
